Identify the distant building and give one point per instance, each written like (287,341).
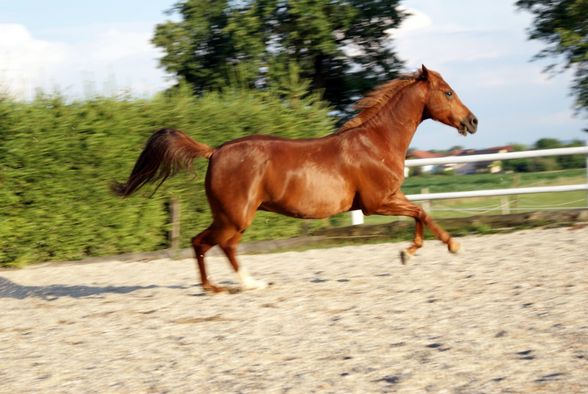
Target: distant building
(424,154)
(460,168)
(492,167)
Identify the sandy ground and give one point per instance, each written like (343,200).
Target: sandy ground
(509,314)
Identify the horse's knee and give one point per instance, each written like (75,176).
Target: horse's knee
(424,217)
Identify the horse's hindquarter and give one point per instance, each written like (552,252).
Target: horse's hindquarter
(300,178)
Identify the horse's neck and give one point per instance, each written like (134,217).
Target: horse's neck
(400,119)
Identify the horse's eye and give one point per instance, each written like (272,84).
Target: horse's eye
(449,94)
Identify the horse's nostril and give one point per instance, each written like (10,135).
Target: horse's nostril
(475,120)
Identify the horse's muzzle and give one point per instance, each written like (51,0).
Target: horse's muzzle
(468,125)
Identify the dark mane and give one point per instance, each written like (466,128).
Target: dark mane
(371,104)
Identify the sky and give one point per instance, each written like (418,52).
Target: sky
(480,47)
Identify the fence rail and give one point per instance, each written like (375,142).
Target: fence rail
(357,217)
(577,150)
(496,192)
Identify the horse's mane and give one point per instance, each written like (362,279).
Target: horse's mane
(371,104)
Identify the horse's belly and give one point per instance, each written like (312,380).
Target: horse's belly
(313,197)
(306,209)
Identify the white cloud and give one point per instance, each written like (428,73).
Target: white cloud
(513,76)
(417,20)
(25,62)
(116,58)
(421,39)
(114,45)
(494,56)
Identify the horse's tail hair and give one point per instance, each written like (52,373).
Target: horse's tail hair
(167,151)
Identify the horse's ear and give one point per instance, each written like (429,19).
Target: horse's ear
(423,74)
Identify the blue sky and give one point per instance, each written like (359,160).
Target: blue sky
(480,47)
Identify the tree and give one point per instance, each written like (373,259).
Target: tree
(342,47)
(572,161)
(563,24)
(548,143)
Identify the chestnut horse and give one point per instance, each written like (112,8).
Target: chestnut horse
(360,166)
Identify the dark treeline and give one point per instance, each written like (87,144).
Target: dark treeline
(58,159)
(266,40)
(551,163)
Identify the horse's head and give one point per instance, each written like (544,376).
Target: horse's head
(443,105)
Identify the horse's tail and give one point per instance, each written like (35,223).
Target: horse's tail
(167,151)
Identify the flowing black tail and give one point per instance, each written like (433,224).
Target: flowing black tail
(167,151)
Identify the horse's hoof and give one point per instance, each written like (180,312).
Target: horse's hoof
(404,256)
(213,289)
(453,246)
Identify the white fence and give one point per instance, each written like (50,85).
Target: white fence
(357,217)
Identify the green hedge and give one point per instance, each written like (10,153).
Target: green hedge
(58,158)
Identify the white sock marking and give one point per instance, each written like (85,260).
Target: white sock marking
(247,281)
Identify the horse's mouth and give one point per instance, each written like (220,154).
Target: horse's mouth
(468,125)
(464,130)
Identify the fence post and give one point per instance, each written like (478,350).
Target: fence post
(356,217)
(516,183)
(175,226)
(505,205)
(426,204)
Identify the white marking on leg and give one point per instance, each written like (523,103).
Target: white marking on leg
(247,281)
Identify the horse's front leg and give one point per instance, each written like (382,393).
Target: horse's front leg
(399,205)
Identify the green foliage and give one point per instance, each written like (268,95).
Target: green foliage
(546,163)
(58,158)
(340,46)
(438,184)
(548,143)
(563,25)
(572,161)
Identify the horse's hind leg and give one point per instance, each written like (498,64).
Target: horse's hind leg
(230,250)
(227,237)
(202,244)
